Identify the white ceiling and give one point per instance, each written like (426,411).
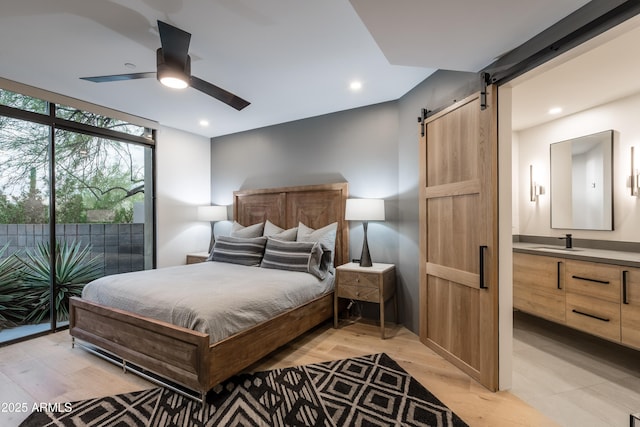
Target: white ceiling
(602,70)
(291,59)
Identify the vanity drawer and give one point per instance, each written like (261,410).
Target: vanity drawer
(546,304)
(593,279)
(630,308)
(593,315)
(538,272)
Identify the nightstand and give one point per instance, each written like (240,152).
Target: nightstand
(375,284)
(196,257)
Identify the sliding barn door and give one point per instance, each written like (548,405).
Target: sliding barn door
(459,236)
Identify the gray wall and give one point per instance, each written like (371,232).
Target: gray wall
(359,146)
(373,148)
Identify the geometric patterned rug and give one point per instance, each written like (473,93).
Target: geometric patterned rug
(364,391)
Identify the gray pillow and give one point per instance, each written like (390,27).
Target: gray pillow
(239,230)
(272,230)
(325,235)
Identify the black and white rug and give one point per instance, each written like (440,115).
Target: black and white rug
(365,391)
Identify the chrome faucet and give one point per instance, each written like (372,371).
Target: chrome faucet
(568,241)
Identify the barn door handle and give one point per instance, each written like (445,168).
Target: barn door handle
(482,284)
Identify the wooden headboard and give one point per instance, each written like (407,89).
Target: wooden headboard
(313,205)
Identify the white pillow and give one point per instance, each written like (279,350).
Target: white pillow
(239,230)
(325,235)
(272,230)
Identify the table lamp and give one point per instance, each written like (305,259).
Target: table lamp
(364,210)
(212,214)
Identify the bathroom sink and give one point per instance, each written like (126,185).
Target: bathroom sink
(557,248)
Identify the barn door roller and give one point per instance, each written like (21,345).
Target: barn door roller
(421,118)
(485,79)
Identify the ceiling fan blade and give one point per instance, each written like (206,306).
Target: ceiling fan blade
(175,43)
(173,58)
(120,77)
(219,93)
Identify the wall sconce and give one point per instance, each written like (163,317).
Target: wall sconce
(534,189)
(635,177)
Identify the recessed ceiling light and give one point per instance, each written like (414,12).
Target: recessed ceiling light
(555,110)
(204,123)
(355,85)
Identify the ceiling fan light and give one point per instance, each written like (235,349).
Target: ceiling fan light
(172,74)
(174,82)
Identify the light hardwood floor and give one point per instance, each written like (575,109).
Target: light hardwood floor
(47,369)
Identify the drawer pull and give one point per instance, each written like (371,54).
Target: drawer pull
(603,282)
(558,275)
(624,287)
(590,315)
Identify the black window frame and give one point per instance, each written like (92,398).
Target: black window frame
(54,123)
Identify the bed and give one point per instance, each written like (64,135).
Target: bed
(192,358)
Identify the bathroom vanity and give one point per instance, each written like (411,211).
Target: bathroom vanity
(593,290)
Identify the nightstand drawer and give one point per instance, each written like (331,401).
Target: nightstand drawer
(374,284)
(363,280)
(360,293)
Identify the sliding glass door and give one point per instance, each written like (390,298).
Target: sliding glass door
(76,198)
(24,223)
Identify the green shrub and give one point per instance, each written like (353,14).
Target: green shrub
(11,290)
(75,267)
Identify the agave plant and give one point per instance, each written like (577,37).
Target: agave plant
(11,290)
(75,267)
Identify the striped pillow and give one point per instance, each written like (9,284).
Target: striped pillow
(309,257)
(239,250)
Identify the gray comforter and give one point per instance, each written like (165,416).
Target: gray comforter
(215,298)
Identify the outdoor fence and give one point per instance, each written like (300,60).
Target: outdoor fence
(121,246)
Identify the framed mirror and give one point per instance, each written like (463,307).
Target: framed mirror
(582,182)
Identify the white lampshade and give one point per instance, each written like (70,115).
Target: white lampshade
(212,213)
(364,210)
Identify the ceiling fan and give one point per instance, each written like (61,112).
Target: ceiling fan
(174,68)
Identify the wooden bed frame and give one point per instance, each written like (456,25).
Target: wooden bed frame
(186,357)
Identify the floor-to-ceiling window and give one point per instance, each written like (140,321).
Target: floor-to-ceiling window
(24,217)
(76,198)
